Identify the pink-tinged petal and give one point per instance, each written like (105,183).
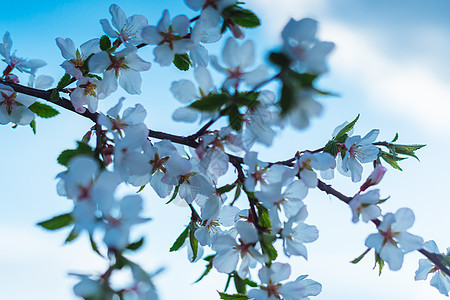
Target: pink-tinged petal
(180,25)
(67,47)
(355,168)
(164,55)
(119,18)
(185,114)
(425,266)
(226,262)
(151,36)
(404,219)
(106,26)
(164,23)
(229,53)
(71,69)
(375,240)
(131,81)
(409,242)
(99,62)
(392,255)
(22,115)
(5,48)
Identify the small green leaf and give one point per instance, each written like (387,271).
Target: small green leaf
(141,188)
(54,97)
(43,110)
(239,284)
(63,82)
(210,103)
(235,118)
(227,284)
(57,222)
(93,76)
(379,262)
(391,159)
(136,245)
(105,43)
(175,193)
(193,240)
(331,148)
(304,79)
(238,192)
(264,219)
(232,297)
(209,266)
(94,245)
(346,128)
(247,99)
(250,283)
(280,59)
(241,16)
(358,259)
(287,96)
(182,62)
(180,240)
(267,241)
(406,149)
(33,126)
(82,149)
(395,138)
(72,236)
(226,188)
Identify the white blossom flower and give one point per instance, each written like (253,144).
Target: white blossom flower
(211,10)
(86,93)
(75,59)
(365,205)
(126,64)
(237,59)
(440,280)
(272,289)
(14,107)
(359,150)
(308,162)
(170,38)
(392,240)
(304,108)
(301,45)
(128,30)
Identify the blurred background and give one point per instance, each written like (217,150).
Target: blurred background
(391,65)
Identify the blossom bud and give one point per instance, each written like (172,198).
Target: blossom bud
(374,178)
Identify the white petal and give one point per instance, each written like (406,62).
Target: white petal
(67,47)
(131,81)
(184,90)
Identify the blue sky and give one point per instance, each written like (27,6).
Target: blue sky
(390,65)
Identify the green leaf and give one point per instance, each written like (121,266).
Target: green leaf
(82,149)
(280,59)
(210,103)
(250,283)
(235,118)
(241,16)
(193,240)
(406,149)
(226,188)
(264,219)
(358,259)
(346,128)
(105,43)
(209,266)
(94,245)
(391,159)
(331,148)
(182,62)
(63,82)
(57,222)
(72,236)
(43,110)
(247,99)
(304,79)
(175,193)
(232,297)
(180,240)
(54,97)
(287,97)
(141,188)
(33,126)
(93,76)
(379,262)
(136,245)
(227,284)
(395,138)
(267,241)
(239,284)
(238,192)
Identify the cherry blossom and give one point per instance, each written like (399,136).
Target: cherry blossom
(365,205)
(211,9)
(392,240)
(14,107)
